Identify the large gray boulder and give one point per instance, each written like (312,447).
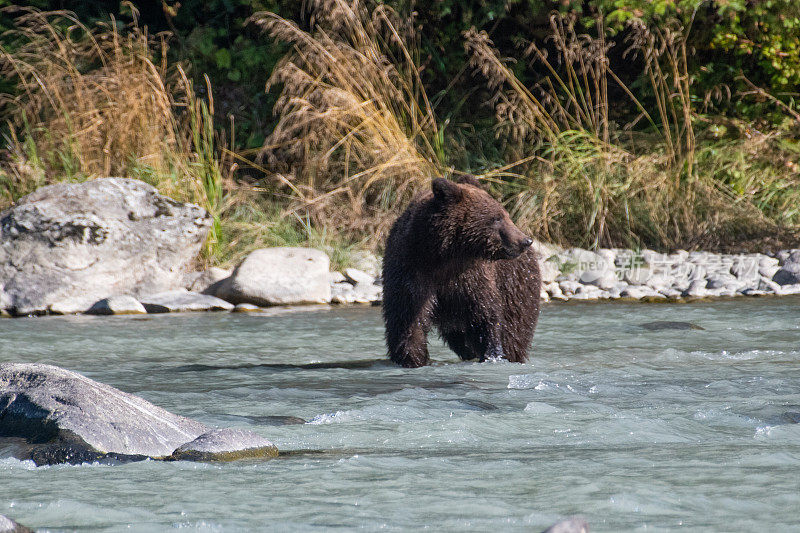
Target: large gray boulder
(279,276)
(67,417)
(93,240)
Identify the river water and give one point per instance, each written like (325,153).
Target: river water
(631,427)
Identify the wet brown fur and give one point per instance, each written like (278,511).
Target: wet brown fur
(455,260)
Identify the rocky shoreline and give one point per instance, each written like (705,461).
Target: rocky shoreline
(610,274)
(568,275)
(115,246)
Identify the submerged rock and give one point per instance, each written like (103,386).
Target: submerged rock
(661,325)
(9,526)
(183,301)
(570,525)
(226,445)
(117,305)
(94,239)
(279,276)
(67,417)
(277,420)
(791,417)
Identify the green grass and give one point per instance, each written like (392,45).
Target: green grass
(250,226)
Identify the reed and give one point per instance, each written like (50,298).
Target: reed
(356,134)
(578,177)
(101,101)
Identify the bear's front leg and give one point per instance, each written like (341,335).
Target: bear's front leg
(494,342)
(411,349)
(407,323)
(494,353)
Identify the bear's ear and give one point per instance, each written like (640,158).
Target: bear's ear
(469,179)
(445,190)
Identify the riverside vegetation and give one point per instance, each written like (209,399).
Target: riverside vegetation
(664,125)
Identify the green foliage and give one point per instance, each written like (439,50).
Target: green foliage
(630,177)
(763,171)
(767,31)
(757,38)
(252,225)
(215,40)
(619,12)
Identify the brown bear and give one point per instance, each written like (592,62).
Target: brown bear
(454,259)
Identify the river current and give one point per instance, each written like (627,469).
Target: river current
(618,417)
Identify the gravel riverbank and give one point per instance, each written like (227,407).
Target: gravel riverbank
(116,246)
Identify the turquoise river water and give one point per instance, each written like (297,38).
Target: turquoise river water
(633,428)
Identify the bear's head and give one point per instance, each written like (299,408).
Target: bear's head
(470,223)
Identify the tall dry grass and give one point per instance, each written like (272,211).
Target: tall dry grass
(579,177)
(356,133)
(103,101)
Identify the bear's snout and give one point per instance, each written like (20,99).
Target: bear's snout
(515,243)
(522,245)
